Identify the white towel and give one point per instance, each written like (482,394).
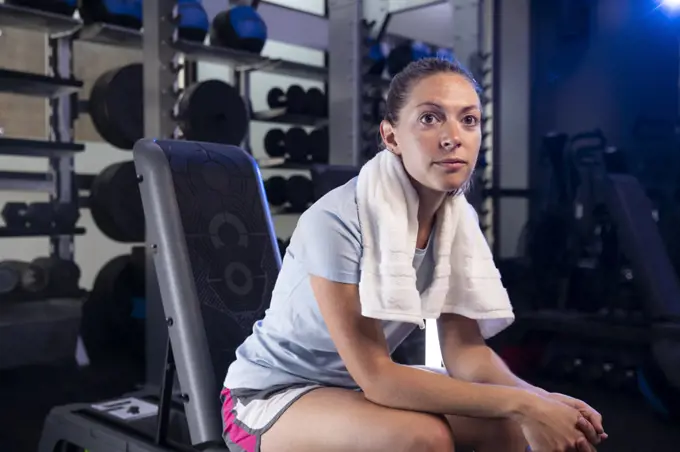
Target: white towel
(466,280)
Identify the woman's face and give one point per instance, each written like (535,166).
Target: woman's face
(439,132)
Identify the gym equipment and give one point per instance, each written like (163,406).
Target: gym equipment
(193,20)
(45,277)
(10,278)
(213,111)
(124,13)
(40,216)
(319,145)
(186,204)
(65,7)
(116,205)
(317,103)
(275,189)
(240,28)
(403,54)
(299,192)
(116,105)
(112,325)
(294,143)
(63,276)
(275,143)
(328,177)
(294,100)
(14,215)
(297,145)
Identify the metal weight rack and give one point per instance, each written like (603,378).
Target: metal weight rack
(22,325)
(168,68)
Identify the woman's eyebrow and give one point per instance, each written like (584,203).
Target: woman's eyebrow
(466,109)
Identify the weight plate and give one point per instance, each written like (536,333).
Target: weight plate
(109,328)
(99,113)
(213,111)
(116,205)
(124,102)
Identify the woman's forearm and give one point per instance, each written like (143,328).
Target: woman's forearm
(408,388)
(482,365)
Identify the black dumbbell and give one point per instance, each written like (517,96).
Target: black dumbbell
(14,215)
(10,277)
(30,279)
(319,145)
(317,103)
(300,192)
(40,215)
(294,100)
(297,145)
(275,188)
(294,143)
(275,143)
(66,215)
(63,276)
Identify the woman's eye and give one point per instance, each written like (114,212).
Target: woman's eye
(470,120)
(428,118)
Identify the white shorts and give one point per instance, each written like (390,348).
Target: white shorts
(247,414)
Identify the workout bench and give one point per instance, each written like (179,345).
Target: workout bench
(216,260)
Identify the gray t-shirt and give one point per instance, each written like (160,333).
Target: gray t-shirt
(291,345)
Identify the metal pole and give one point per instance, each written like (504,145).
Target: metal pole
(159,99)
(61,130)
(344,75)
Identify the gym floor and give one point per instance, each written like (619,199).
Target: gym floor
(27,394)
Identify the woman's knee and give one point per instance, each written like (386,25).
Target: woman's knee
(433,435)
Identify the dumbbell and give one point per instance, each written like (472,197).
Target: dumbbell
(240,28)
(299,192)
(22,276)
(317,103)
(65,7)
(319,144)
(63,276)
(294,100)
(193,21)
(294,143)
(275,189)
(14,215)
(126,14)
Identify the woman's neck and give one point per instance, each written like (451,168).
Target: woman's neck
(429,202)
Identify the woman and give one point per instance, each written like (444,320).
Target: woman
(315,375)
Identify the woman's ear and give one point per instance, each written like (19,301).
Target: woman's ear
(389,138)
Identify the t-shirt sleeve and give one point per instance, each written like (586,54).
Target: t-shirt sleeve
(327,246)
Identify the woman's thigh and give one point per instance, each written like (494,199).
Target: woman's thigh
(335,419)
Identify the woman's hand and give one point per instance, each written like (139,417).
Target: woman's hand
(552,426)
(586,411)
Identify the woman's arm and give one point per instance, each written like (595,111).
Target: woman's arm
(363,348)
(467,357)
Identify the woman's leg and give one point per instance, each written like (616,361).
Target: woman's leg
(487,435)
(484,435)
(334,419)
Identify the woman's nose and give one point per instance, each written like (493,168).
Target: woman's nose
(450,143)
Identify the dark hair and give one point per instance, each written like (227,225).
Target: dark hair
(403,82)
